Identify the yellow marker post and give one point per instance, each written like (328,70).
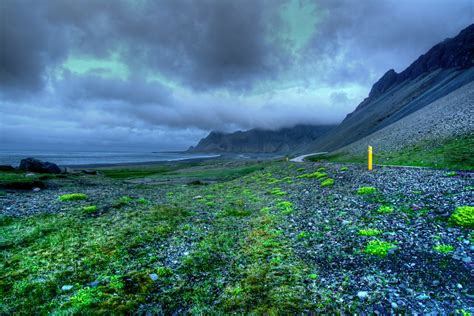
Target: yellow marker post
(370,158)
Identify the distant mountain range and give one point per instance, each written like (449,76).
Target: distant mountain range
(261,141)
(434,76)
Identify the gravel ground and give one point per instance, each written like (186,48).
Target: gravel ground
(414,277)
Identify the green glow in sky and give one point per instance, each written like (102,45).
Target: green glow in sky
(300,18)
(110,68)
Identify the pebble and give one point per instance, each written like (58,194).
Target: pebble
(36,189)
(362,295)
(466,259)
(67,287)
(422,297)
(154,276)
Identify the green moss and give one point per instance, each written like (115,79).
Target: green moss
(236,212)
(385,209)
(316,174)
(344,169)
(122,201)
(73,197)
(369,232)
(378,248)
(366,190)
(300,169)
(313,276)
(303,235)
(463,216)
(278,192)
(443,248)
(85,298)
(164,271)
(89,209)
(327,183)
(451,174)
(142,201)
(285,207)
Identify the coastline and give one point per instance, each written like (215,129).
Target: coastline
(139,163)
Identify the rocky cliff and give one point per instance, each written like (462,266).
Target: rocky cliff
(261,141)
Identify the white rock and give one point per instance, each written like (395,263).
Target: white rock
(67,287)
(154,276)
(362,295)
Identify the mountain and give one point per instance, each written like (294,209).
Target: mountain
(261,141)
(443,69)
(440,134)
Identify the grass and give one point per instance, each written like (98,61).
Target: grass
(19,180)
(463,216)
(72,197)
(234,250)
(456,153)
(378,248)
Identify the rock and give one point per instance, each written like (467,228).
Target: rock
(197,197)
(362,295)
(94,284)
(6,168)
(466,259)
(91,172)
(422,297)
(394,305)
(35,165)
(154,277)
(67,287)
(36,189)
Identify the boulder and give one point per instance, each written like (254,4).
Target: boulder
(35,165)
(6,168)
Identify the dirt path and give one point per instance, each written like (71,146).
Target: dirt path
(302,157)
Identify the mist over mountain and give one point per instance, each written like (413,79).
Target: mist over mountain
(261,141)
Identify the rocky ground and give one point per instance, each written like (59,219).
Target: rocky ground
(277,237)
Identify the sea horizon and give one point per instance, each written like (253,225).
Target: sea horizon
(78,158)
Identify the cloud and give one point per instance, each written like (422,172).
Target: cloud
(116,71)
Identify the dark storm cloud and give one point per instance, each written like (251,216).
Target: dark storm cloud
(380,35)
(90,88)
(28,44)
(217,64)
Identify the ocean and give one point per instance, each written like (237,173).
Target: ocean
(78,158)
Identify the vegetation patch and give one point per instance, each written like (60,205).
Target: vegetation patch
(73,197)
(327,182)
(285,207)
(379,248)
(366,190)
(443,248)
(369,232)
(89,209)
(463,216)
(385,209)
(316,174)
(278,192)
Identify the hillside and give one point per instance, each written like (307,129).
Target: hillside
(444,68)
(438,135)
(261,141)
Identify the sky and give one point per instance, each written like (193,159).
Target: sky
(139,75)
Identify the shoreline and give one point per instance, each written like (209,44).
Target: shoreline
(138,163)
